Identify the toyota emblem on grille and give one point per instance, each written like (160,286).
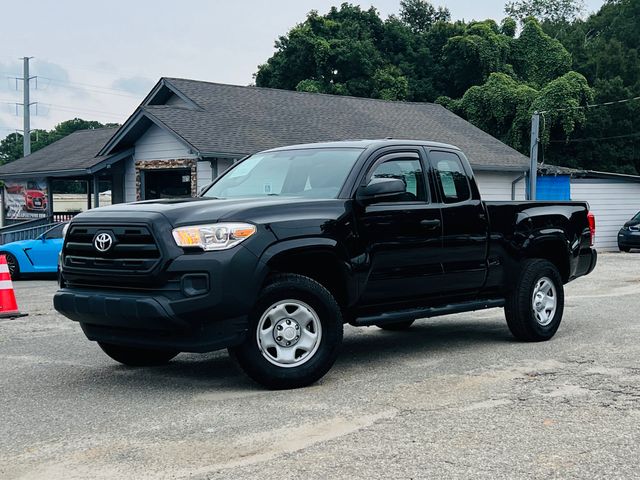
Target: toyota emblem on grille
(103,242)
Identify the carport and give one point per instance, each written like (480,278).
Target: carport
(68,165)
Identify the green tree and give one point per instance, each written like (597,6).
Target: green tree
(545,10)
(339,52)
(350,51)
(471,57)
(604,48)
(11,147)
(563,100)
(390,84)
(536,57)
(503,107)
(508,27)
(420,15)
(485,72)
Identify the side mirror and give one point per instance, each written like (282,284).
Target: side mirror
(381,190)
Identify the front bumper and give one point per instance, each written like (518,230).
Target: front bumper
(629,239)
(145,322)
(202,306)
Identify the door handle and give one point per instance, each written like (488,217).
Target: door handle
(430,224)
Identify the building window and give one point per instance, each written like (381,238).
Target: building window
(166,178)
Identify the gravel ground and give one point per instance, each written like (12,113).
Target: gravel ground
(454,397)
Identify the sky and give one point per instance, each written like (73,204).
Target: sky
(97,60)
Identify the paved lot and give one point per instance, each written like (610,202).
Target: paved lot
(454,397)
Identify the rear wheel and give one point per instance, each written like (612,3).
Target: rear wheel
(137,357)
(534,308)
(295,332)
(396,327)
(12,263)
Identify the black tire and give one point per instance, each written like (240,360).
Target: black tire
(396,327)
(12,263)
(294,288)
(137,357)
(624,249)
(519,309)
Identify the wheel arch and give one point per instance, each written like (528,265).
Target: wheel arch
(553,248)
(24,266)
(318,259)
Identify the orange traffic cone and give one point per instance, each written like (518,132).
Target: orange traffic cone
(8,304)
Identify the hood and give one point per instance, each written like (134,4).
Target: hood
(188,211)
(34,193)
(22,244)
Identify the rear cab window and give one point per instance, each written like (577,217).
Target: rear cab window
(450,176)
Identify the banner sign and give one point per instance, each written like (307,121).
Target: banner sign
(25,199)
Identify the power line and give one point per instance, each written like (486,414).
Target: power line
(72,109)
(594,105)
(111,71)
(593,139)
(94,88)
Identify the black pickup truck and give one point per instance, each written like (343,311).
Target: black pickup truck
(291,243)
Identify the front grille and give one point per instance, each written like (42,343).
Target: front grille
(133,249)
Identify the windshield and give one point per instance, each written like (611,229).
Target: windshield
(311,173)
(636,218)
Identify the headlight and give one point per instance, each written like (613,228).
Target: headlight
(219,236)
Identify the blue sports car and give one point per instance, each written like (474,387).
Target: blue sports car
(34,256)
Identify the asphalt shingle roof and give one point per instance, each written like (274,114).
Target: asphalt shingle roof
(234,120)
(76,151)
(242,120)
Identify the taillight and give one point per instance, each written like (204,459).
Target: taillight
(592,226)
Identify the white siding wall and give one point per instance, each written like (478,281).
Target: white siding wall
(158,144)
(205,174)
(223,164)
(497,185)
(155,144)
(613,202)
(129,181)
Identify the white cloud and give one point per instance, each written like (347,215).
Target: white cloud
(137,85)
(101,58)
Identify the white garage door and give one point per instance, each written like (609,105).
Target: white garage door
(613,202)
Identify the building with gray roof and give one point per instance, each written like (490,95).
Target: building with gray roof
(186,132)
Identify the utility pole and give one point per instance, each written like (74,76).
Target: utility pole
(533,155)
(26,106)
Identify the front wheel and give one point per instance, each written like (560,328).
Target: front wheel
(295,332)
(624,249)
(534,308)
(137,357)
(12,265)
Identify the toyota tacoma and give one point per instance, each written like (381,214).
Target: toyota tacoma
(288,245)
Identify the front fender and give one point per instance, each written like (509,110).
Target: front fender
(23,261)
(297,244)
(321,258)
